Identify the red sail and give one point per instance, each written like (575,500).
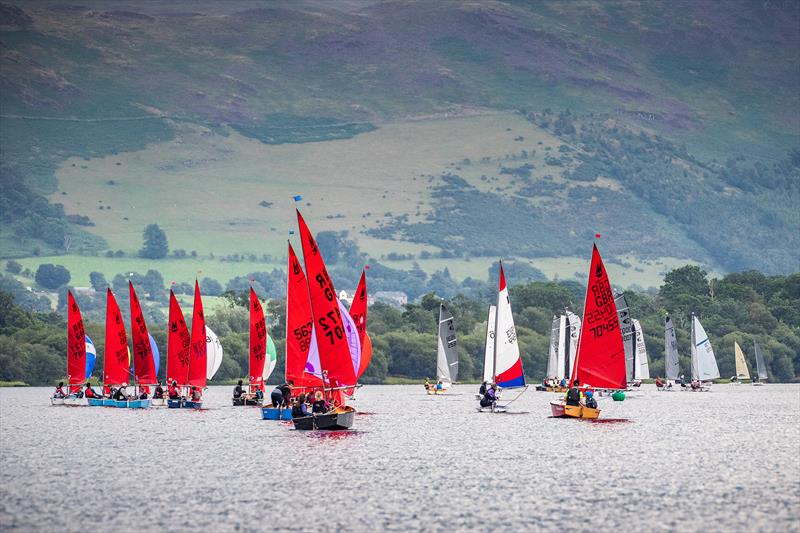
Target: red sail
(143,364)
(76,345)
(198,364)
(299,326)
(334,352)
(179,344)
(117,366)
(258,341)
(600,359)
(358,311)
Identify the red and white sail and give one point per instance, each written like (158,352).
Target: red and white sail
(76,345)
(143,363)
(179,344)
(116,366)
(600,360)
(507,361)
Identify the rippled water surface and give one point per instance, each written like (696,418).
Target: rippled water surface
(724,460)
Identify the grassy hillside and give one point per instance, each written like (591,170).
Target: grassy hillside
(399,122)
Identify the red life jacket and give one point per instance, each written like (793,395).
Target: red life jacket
(89,392)
(172,390)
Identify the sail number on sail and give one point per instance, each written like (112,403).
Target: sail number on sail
(303,335)
(605,311)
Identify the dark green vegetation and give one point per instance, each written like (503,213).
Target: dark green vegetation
(691,108)
(155,243)
(740,307)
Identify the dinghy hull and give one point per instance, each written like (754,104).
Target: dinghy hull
(184,404)
(246,401)
(74,402)
(95,402)
(561,410)
(274,413)
(56,401)
(342,418)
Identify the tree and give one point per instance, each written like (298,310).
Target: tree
(155,243)
(52,276)
(98,281)
(153,284)
(13,267)
(211,287)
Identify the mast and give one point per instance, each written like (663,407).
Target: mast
(496,316)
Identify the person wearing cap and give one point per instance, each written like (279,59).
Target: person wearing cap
(90,393)
(589,399)
(238,390)
(173,391)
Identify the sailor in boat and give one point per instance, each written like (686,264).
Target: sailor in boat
(590,401)
(144,393)
(300,409)
(573,396)
(276,396)
(59,392)
(197,394)
(321,406)
(659,382)
(121,394)
(482,390)
(490,397)
(286,389)
(439,385)
(159,392)
(260,392)
(428,384)
(238,390)
(696,384)
(173,391)
(90,392)
(563,383)
(107,391)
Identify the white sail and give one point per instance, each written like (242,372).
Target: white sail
(760,365)
(741,365)
(561,352)
(488,349)
(628,337)
(671,366)
(446,355)
(272,359)
(641,367)
(214,351)
(574,323)
(552,360)
(704,364)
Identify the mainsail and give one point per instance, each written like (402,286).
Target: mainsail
(198,365)
(671,364)
(507,361)
(641,367)
(358,312)
(573,335)
(600,361)
(628,337)
(76,345)
(446,353)
(299,326)
(258,341)
(116,366)
(552,359)
(144,357)
(704,364)
(563,360)
(741,365)
(179,344)
(760,365)
(334,348)
(488,347)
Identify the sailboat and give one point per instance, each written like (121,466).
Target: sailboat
(671,360)
(761,367)
(116,368)
(704,364)
(145,351)
(214,351)
(741,365)
(338,361)
(600,358)
(358,312)
(506,363)
(641,366)
(561,357)
(77,372)
(446,354)
(258,354)
(179,348)
(628,337)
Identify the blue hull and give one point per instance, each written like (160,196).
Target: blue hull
(273,413)
(95,402)
(108,402)
(183,404)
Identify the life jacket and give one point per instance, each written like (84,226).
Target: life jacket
(173,391)
(573,396)
(297,411)
(90,393)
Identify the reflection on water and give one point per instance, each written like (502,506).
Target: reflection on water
(724,461)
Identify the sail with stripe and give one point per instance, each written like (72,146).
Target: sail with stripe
(741,364)
(563,363)
(446,352)
(671,360)
(641,366)
(116,366)
(600,361)
(507,361)
(488,346)
(704,364)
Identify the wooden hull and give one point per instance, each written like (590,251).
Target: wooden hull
(434,391)
(238,402)
(542,388)
(561,410)
(274,413)
(342,418)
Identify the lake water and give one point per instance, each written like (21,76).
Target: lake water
(724,460)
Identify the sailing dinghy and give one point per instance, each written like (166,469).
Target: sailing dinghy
(600,358)
(258,354)
(446,354)
(338,362)
(505,365)
(179,348)
(671,360)
(76,355)
(117,364)
(741,365)
(704,364)
(761,367)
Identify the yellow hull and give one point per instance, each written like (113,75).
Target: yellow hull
(561,410)
(436,391)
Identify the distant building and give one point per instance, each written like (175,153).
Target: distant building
(86,291)
(344,298)
(393,298)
